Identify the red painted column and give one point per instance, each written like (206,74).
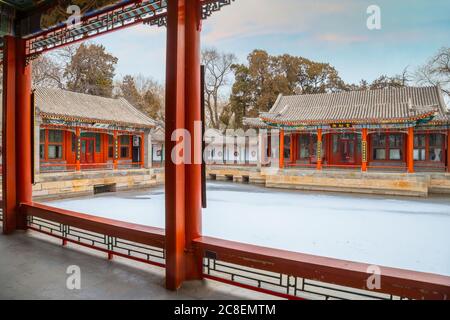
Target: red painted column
(116,149)
(364,150)
(319,149)
(291,148)
(281,155)
(141,150)
(78,148)
(193,125)
(448,150)
(410,150)
(8,135)
(23,131)
(175,172)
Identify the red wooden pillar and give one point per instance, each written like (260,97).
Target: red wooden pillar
(281,156)
(448,150)
(193,120)
(8,135)
(16,134)
(141,150)
(78,148)
(175,118)
(293,147)
(364,150)
(116,149)
(319,149)
(410,150)
(23,131)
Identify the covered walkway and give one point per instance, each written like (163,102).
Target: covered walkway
(29,266)
(39,272)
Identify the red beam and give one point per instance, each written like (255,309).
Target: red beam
(63,29)
(398,282)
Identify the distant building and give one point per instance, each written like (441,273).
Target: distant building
(75,131)
(230,148)
(158,136)
(387,129)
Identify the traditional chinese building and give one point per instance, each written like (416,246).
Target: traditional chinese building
(75,131)
(158,136)
(230,147)
(398,129)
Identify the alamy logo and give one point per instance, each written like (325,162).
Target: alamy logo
(374,280)
(73,281)
(374,19)
(75,16)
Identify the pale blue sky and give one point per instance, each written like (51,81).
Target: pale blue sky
(332,31)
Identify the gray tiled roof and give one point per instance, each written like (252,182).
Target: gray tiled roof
(72,106)
(370,106)
(158,134)
(254,123)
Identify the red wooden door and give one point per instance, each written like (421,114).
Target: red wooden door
(347,151)
(87,150)
(344,149)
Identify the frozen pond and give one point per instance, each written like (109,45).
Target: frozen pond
(405,233)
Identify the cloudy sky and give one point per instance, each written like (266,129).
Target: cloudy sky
(333,31)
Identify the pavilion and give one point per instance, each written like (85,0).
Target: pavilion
(389,129)
(75,131)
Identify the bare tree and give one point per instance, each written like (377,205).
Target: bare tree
(144,93)
(47,73)
(217,79)
(436,71)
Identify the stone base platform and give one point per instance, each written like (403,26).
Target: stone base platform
(73,184)
(384,183)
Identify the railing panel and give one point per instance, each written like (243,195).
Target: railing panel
(137,242)
(296,275)
(277,272)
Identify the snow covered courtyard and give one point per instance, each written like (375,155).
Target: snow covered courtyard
(406,233)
